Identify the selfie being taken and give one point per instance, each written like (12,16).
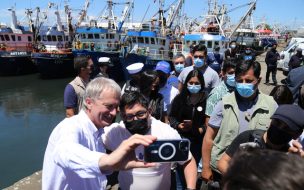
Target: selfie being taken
(152,95)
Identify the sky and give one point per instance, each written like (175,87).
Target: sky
(284,12)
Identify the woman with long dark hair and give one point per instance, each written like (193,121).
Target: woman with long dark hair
(187,114)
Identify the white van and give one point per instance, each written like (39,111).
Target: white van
(286,54)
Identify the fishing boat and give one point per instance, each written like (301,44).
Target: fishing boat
(102,39)
(15,49)
(209,32)
(53,48)
(154,40)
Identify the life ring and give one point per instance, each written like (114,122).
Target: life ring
(59,45)
(109,44)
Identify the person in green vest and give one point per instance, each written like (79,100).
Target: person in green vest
(244,109)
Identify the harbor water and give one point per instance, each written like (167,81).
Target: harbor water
(29,110)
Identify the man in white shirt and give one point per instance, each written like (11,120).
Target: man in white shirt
(75,157)
(137,120)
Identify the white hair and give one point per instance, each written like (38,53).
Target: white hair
(99,85)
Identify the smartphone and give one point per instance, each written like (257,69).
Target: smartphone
(167,151)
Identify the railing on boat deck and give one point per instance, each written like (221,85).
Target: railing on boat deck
(98,46)
(23,46)
(158,54)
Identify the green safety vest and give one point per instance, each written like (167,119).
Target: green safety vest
(229,129)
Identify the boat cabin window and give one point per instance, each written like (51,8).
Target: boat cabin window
(202,42)
(140,40)
(134,39)
(29,38)
(66,38)
(44,38)
(163,42)
(7,37)
(152,40)
(209,44)
(90,36)
(54,39)
(13,37)
(60,39)
(19,38)
(216,43)
(110,36)
(96,36)
(147,40)
(157,41)
(49,38)
(83,36)
(2,38)
(102,36)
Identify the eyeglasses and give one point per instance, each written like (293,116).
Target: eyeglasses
(201,57)
(138,115)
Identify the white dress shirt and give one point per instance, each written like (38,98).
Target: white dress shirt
(72,155)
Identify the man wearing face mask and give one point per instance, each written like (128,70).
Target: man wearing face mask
(179,65)
(248,54)
(244,109)
(211,77)
(286,124)
(137,120)
(225,87)
(231,52)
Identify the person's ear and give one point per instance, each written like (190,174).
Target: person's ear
(89,103)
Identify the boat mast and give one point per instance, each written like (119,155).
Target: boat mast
(83,13)
(58,20)
(249,12)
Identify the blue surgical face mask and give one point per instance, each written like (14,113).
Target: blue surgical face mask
(193,89)
(232,46)
(179,67)
(245,89)
(230,80)
(198,62)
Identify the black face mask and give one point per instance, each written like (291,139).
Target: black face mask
(139,126)
(278,136)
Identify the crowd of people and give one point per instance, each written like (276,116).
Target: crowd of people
(239,136)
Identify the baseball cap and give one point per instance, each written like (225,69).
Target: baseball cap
(135,68)
(291,115)
(163,66)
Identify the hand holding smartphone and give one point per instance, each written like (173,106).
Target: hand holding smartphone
(167,151)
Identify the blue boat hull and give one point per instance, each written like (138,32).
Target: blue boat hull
(16,63)
(52,65)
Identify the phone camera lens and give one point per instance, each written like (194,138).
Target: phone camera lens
(183,146)
(167,151)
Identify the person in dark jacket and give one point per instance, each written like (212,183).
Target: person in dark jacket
(187,117)
(188,111)
(271,60)
(296,60)
(248,54)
